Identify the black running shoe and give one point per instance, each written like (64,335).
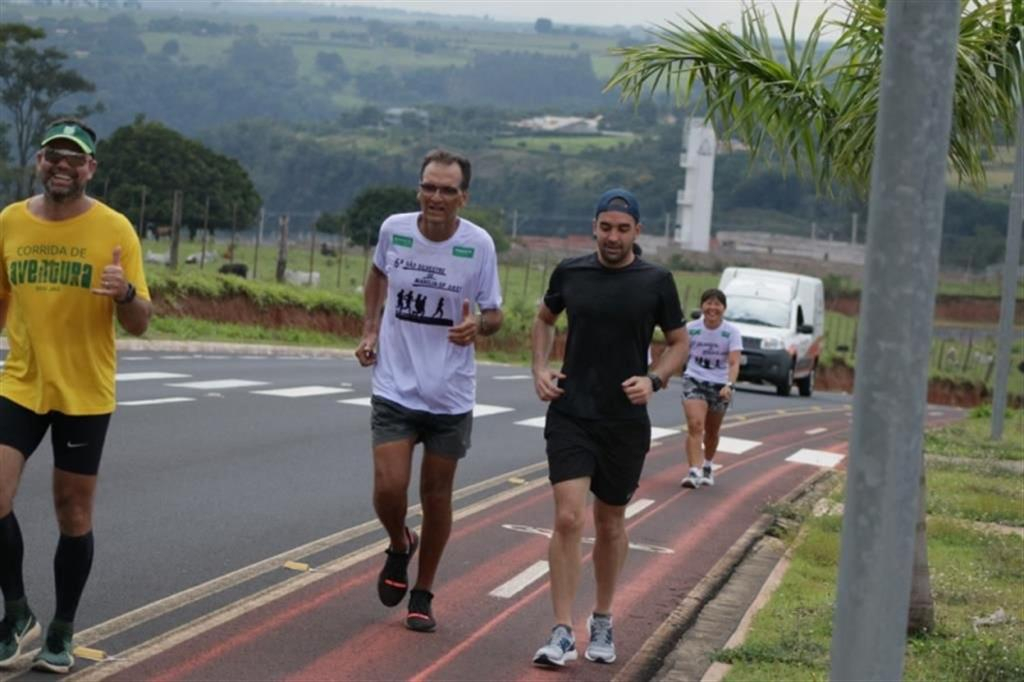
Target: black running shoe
(393,581)
(420,617)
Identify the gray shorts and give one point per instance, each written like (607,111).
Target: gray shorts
(447,435)
(705,390)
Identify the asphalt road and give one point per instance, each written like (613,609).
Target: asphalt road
(220,468)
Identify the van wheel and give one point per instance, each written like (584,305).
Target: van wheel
(786,386)
(806,385)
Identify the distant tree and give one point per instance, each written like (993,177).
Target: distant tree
(32,82)
(333,66)
(371,207)
(171,48)
(490,219)
(265,62)
(149,155)
(543,25)
(331,223)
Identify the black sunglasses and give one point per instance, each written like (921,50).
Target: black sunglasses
(74,159)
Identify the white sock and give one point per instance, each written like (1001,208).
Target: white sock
(707,464)
(694,471)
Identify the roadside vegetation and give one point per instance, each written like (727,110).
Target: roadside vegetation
(975,544)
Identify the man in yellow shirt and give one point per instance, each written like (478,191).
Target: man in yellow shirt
(69,265)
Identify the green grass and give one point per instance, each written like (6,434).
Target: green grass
(567,144)
(190,329)
(973,573)
(970,437)
(986,494)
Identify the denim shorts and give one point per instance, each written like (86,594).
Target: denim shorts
(707,391)
(447,435)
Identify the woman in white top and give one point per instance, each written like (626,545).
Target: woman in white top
(712,368)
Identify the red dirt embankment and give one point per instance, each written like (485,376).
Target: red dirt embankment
(242,310)
(967,309)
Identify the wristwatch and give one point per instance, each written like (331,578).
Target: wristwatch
(655,382)
(129,295)
(730,385)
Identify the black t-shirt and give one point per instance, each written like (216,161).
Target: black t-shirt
(612,313)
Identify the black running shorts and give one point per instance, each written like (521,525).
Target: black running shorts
(447,435)
(77,440)
(610,453)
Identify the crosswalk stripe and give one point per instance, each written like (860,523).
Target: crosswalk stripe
(219,384)
(818,458)
(512,377)
(155,401)
(480,410)
(637,507)
(148,376)
(656,431)
(736,446)
(303,391)
(814,432)
(509,589)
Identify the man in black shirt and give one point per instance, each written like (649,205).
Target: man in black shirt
(598,431)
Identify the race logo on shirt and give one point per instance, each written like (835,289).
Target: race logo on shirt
(401,240)
(463,251)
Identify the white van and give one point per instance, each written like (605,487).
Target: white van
(782,318)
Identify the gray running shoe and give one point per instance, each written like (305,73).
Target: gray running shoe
(601,648)
(559,650)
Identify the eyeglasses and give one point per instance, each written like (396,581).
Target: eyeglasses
(74,159)
(430,189)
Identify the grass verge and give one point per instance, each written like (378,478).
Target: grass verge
(973,574)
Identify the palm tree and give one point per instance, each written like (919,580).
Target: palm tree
(814,109)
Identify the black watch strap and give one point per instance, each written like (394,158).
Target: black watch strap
(129,295)
(655,382)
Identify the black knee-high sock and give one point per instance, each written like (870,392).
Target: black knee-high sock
(71,566)
(12,552)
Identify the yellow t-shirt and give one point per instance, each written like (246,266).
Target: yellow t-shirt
(61,334)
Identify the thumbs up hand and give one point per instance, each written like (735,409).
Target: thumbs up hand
(464,333)
(112,281)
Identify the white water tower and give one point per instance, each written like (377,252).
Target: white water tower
(694,201)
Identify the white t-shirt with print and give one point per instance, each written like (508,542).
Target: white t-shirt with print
(709,350)
(417,366)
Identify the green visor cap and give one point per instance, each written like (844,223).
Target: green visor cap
(69,131)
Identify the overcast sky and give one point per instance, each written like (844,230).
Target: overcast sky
(605,12)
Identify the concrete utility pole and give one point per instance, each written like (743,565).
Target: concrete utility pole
(904,228)
(1011,271)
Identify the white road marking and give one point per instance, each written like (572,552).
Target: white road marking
(148,376)
(818,458)
(512,377)
(155,401)
(637,507)
(736,446)
(536,422)
(219,384)
(487,410)
(176,357)
(814,432)
(253,357)
(303,391)
(479,411)
(656,431)
(512,587)
(135,357)
(533,530)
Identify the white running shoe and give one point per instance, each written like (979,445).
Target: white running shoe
(707,476)
(559,650)
(601,648)
(691,480)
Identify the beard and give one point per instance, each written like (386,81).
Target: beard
(62,195)
(613,256)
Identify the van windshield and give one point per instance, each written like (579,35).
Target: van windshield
(750,310)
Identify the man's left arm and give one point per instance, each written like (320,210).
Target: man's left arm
(677,348)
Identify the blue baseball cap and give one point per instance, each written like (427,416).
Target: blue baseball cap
(621,200)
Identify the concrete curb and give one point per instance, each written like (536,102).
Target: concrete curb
(647,661)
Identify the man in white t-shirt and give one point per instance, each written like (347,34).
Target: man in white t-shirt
(431,270)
